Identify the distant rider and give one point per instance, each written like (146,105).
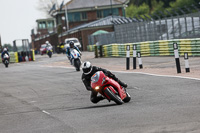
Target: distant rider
(48,46)
(88,71)
(5,51)
(71,46)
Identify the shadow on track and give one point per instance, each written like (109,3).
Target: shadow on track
(93,107)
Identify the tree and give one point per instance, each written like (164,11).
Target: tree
(181,3)
(142,7)
(46,5)
(133,10)
(9,46)
(166,2)
(157,6)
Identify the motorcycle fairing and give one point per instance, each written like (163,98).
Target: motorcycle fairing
(101,80)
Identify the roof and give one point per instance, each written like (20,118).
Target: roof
(101,22)
(45,19)
(80,4)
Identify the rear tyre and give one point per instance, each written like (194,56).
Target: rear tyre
(113,96)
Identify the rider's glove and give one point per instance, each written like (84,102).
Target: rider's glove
(89,88)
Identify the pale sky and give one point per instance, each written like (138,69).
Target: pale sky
(17,18)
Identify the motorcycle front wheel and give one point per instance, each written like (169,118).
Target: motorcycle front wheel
(77,64)
(6,63)
(113,96)
(128,98)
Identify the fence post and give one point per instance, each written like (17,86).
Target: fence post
(134,56)
(96,51)
(127,57)
(139,60)
(187,68)
(101,50)
(176,54)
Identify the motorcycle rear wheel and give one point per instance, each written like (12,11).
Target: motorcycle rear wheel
(113,96)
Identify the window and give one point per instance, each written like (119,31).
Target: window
(75,41)
(74,17)
(42,25)
(50,24)
(84,16)
(99,14)
(107,12)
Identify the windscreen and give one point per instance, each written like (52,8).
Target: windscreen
(95,77)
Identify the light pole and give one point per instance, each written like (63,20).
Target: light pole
(66,17)
(63,18)
(111,7)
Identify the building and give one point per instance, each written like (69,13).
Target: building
(46,31)
(81,12)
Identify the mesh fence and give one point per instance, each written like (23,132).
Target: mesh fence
(176,27)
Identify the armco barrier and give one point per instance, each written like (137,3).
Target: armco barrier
(14,58)
(153,48)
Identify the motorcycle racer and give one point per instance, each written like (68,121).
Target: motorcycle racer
(5,51)
(71,46)
(88,71)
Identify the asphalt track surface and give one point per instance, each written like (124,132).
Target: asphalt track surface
(42,97)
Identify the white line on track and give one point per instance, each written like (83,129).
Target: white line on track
(45,112)
(170,76)
(58,67)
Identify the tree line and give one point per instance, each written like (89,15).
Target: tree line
(161,8)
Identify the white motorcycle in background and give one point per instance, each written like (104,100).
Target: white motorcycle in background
(75,58)
(6,60)
(49,51)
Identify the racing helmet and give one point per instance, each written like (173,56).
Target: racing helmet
(5,49)
(87,67)
(71,44)
(47,42)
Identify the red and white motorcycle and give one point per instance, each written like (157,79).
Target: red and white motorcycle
(109,88)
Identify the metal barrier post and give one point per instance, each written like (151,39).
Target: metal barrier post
(127,57)
(134,56)
(139,60)
(101,50)
(176,54)
(187,68)
(96,51)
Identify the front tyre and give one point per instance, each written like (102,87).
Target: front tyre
(77,64)
(128,98)
(50,55)
(6,63)
(113,96)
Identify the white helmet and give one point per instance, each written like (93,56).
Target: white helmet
(47,42)
(5,49)
(87,67)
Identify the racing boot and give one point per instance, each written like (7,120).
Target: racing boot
(97,99)
(122,84)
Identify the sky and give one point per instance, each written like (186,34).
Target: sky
(17,18)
